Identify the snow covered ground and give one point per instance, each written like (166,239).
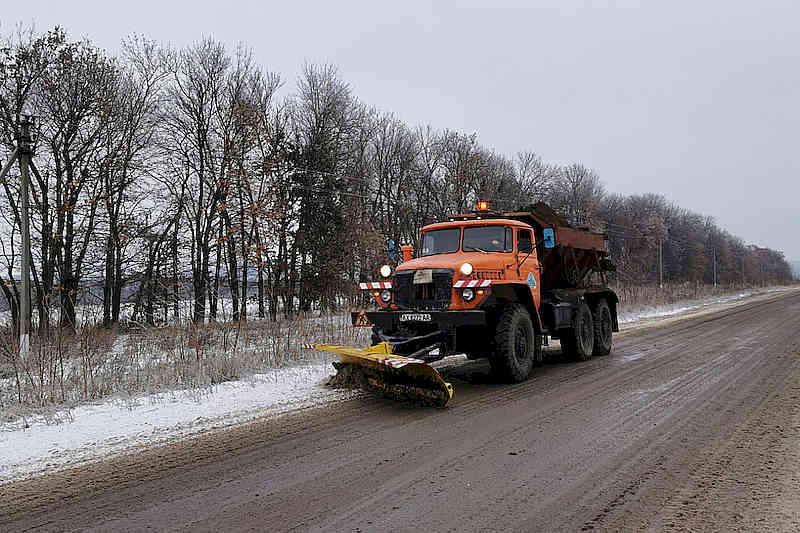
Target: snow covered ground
(94,431)
(638,314)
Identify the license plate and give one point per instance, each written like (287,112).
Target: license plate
(423,276)
(415,317)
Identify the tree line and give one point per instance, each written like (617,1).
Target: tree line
(168,174)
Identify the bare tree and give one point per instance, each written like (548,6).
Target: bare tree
(24,62)
(189,129)
(77,97)
(325,121)
(127,151)
(578,193)
(536,178)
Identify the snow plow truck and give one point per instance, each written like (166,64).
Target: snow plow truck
(487,284)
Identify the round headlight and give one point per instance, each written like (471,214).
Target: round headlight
(386,295)
(466,269)
(468,295)
(386,271)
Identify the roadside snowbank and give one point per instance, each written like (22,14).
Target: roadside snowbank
(92,432)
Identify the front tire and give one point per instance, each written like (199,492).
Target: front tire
(516,345)
(578,342)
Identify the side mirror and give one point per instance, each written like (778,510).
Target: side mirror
(549,238)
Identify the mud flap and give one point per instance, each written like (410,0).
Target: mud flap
(394,376)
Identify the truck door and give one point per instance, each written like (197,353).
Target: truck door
(529,268)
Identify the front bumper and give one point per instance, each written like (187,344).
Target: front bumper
(443,320)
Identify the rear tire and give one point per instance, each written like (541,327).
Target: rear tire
(516,345)
(602,328)
(577,343)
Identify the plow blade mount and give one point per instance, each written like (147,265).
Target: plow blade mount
(392,375)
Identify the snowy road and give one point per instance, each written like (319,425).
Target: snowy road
(690,424)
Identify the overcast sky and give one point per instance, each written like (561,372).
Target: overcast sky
(698,101)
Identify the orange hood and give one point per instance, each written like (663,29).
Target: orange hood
(479,261)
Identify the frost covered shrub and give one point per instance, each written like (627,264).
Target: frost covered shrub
(93,363)
(670,293)
(61,367)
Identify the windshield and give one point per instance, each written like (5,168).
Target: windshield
(440,241)
(488,239)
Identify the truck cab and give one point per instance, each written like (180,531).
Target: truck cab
(496,285)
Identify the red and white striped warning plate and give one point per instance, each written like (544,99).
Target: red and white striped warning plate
(463,284)
(375,285)
(397,363)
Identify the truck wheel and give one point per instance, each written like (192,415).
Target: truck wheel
(602,328)
(578,342)
(516,345)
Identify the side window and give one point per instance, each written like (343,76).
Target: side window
(509,244)
(524,242)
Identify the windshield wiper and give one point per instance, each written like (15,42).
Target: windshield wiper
(476,249)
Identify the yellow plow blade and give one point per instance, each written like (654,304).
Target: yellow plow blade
(393,375)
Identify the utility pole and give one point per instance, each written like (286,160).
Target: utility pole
(660,263)
(22,154)
(714,253)
(25,152)
(742,269)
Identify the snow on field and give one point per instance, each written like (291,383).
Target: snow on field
(94,431)
(90,432)
(627,316)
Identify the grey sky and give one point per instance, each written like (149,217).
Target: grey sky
(697,101)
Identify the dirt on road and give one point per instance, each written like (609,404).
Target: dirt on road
(693,425)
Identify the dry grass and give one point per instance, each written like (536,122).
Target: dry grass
(653,296)
(95,363)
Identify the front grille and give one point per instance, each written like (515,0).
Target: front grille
(425,296)
(402,288)
(488,274)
